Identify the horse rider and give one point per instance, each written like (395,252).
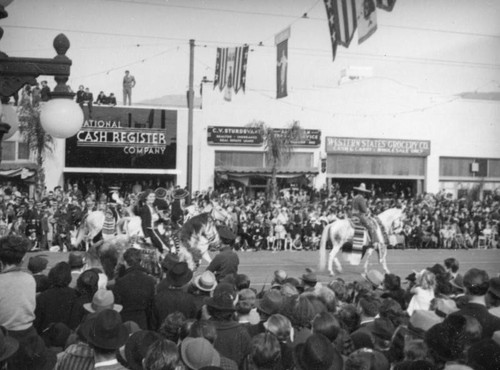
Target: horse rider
(178,206)
(361,210)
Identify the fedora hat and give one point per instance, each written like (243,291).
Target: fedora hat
(103,299)
(362,187)
(270,303)
(375,277)
(205,282)
(199,353)
(223,301)
(105,330)
(179,275)
(180,194)
(8,345)
(76,260)
(309,277)
(317,353)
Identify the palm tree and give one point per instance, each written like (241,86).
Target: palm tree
(278,146)
(39,142)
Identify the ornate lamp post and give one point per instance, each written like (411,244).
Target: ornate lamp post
(61,117)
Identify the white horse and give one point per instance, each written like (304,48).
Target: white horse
(342,231)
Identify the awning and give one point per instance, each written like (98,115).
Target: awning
(240,171)
(22,172)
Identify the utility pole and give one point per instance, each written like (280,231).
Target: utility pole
(190,120)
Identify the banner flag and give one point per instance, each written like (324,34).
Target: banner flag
(331,24)
(281,41)
(386,5)
(346,20)
(367,19)
(230,70)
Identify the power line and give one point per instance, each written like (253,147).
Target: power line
(280,15)
(309,51)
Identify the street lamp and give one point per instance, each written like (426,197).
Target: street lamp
(61,117)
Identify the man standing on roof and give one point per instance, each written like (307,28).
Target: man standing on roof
(361,210)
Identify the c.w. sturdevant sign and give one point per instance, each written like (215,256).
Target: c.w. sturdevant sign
(224,135)
(122,137)
(353,145)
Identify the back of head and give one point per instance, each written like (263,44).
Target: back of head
(265,352)
(280,326)
(13,248)
(365,358)
(370,305)
(476,282)
(204,329)
(325,323)
(242,281)
(161,355)
(132,257)
(60,275)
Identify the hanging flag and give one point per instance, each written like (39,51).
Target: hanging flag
(281,42)
(367,19)
(386,5)
(230,70)
(331,24)
(345,16)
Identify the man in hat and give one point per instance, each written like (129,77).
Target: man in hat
(171,295)
(361,210)
(105,333)
(135,290)
(76,261)
(227,261)
(177,207)
(477,283)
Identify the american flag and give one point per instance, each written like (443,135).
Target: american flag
(344,19)
(231,68)
(331,25)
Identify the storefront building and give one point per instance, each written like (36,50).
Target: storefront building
(239,156)
(393,165)
(123,145)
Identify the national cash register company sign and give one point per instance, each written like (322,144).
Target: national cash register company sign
(124,138)
(352,145)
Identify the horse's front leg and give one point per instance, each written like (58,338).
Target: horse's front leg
(333,258)
(368,255)
(383,257)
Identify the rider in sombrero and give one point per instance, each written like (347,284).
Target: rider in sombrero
(361,210)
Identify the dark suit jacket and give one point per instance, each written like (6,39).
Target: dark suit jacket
(135,291)
(171,300)
(53,305)
(489,322)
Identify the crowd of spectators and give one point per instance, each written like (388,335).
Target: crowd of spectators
(295,221)
(65,318)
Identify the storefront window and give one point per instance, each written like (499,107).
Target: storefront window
(239,159)
(9,150)
(23,151)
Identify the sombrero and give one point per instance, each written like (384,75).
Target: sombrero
(180,194)
(362,187)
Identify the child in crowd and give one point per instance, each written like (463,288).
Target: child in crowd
(423,291)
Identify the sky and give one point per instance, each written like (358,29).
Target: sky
(440,47)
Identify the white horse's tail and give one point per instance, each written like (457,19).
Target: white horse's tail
(322,247)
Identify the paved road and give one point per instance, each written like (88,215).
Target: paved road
(261,265)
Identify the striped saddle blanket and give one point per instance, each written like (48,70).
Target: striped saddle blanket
(353,252)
